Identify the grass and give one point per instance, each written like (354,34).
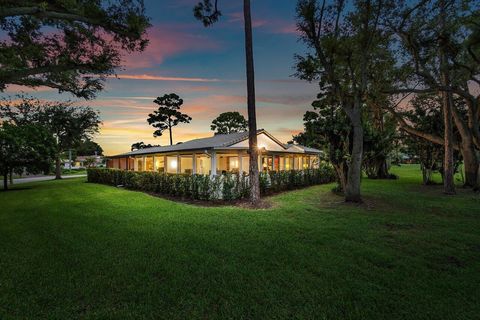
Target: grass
(76,250)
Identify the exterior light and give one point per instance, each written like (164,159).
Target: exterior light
(174,164)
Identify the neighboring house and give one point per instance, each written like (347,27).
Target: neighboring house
(88,161)
(81,162)
(218,154)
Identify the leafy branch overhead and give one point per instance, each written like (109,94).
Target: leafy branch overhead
(207,12)
(84,47)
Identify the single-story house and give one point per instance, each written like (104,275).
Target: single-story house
(219,154)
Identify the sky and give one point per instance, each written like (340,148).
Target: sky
(205,67)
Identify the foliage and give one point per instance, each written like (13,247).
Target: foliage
(328,129)
(72,46)
(142,145)
(426,116)
(379,145)
(348,55)
(226,187)
(229,122)
(68,124)
(25,147)
(87,147)
(167,115)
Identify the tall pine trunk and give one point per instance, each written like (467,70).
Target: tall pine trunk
(58,168)
(447,102)
(354,176)
(170,131)
(252,118)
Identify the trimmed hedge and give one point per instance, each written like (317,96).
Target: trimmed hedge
(203,187)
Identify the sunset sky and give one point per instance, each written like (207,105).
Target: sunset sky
(206,67)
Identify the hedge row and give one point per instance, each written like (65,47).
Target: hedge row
(203,187)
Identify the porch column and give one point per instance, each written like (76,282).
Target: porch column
(178,164)
(240,162)
(213,164)
(144,164)
(273,163)
(153,159)
(194,164)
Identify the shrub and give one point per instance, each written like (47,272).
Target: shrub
(227,187)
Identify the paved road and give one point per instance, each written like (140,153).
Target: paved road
(44,178)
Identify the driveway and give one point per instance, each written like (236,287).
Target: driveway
(45,178)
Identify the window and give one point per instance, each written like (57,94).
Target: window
(172,164)
(139,164)
(159,163)
(203,164)
(246,164)
(227,163)
(149,163)
(233,164)
(281,166)
(289,164)
(186,164)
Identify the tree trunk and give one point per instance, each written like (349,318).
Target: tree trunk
(352,190)
(471,166)
(447,101)
(342,179)
(5,180)
(58,168)
(448,167)
(170,131)
(252,118)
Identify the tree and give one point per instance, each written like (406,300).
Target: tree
(68,124)
(72,46)
(89,162)
(347,47)
(209,14)
(328,129)
(423,30)
(167,115)
(88,147)
(229,122)
(26,147)
(426,115)
(142,145)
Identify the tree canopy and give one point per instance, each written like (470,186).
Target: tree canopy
(67,123)
(25,147)
(168,115)
(229,122)
(83,45)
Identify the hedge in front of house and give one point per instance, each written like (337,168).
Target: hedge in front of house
(203,187)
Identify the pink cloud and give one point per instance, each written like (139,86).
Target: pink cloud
(168,41)
(162,78)
(238,17)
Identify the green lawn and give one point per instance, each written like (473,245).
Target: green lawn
(71,250)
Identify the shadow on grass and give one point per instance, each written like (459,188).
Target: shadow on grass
(15,189)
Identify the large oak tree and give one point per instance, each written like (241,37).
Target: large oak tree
(72,46)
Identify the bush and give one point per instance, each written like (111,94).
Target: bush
(227,187)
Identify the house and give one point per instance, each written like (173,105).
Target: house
(88,161)
(219,154)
